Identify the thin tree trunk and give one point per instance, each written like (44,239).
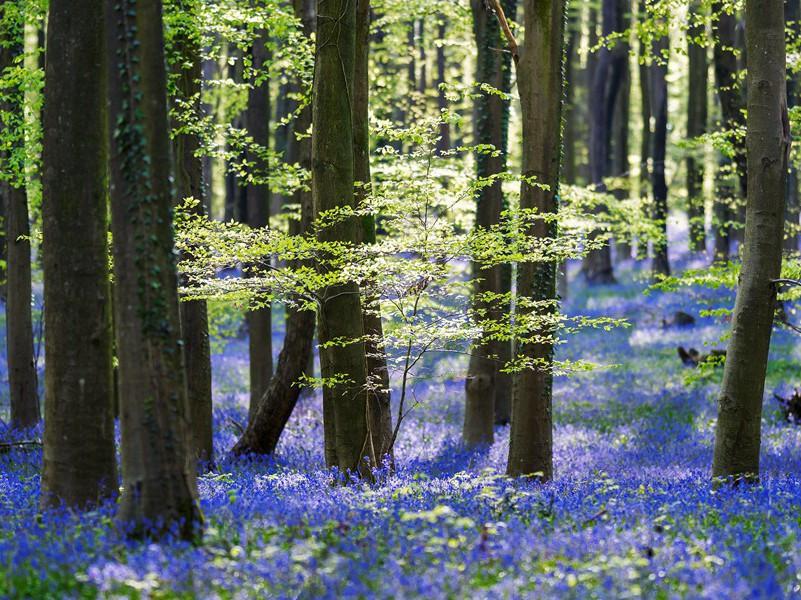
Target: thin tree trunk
(259,319)
(660,267)
(22,379)
(539,75)
(444,141)
(646,138)
(620,124)
(696,126)
(792,234)
(269,420)
(340,315)
(380,410)
(485,399)
(738,434)
(79,460)
(158,465)
(188,172)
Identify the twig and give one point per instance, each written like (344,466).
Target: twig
(597,515)
(513,47)
(237,425)
(8,445)
(795,282)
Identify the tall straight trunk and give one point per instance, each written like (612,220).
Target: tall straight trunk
(235,193)
(258,213)
(731,107)
(444,141)
(79,459)
(158,465)
(486,396)
(738,434)
(19,334)
(696,126)
(660,266)
(188,172)
(646,138)
(209,72)
(569,160)
(340,314)
(620,123)
(379,407)
(606,81)
(422,83)
(539,75)
(268,422)
(791,236)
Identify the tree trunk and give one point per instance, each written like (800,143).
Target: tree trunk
(738,434)
(19,333)
(696,126)
(539,75)
(158,465)
(645,140)
(269,420)
(620,124)
(444,141)
(340,315)
(606,81)
(791,236)
(380,409)
(487,397)
(79,460)
(660,267)
(188,172)
(258,212)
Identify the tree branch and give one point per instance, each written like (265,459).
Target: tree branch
(495,5)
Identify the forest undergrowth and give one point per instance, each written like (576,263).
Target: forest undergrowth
(631,512)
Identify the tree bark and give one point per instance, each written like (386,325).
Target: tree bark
(660,267)
(188,171)
(444,141)
(340,314)
(379,408)
(22,378)
(259,319)
(696,126)
(158,465)
(79,458)
(539,75)
(620,124)
(738,434)
(646,138)
(792,234)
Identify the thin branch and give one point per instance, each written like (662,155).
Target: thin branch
(795,282)
(513,47)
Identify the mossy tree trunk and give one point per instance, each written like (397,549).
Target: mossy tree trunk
(188,172)
(22,379)
(539,75)
(259,318)
(340,326)
(158,464)
(487,390)
(738,433)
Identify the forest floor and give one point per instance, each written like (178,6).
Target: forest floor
(631,512)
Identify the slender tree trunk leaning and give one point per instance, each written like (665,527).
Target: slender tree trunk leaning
(606,80)
(696,126)
(540,81)
(79,459)
(340,326)
(158,465)
(22,379)
(738,434)
(487,390)
(268,422)
(379,407)
(259,318)
(188,173)
(660,266)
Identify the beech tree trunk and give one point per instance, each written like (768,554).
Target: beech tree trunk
(539,74)
(79,460)
(791,235)
(22,380)
(158,464)
(738,434)
(444,141)
(660,266)
(259,319)
(487,390)
(380,409)
(646,138)
(620,123)
(696,126)
(340,314)
(188,171)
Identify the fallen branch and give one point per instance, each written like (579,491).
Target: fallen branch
(6,446)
